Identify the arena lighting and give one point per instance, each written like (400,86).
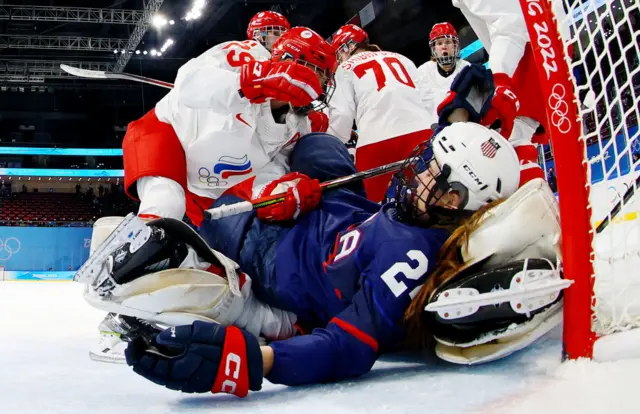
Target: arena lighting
(137,52)
(115,51)
(154,52)
(145,52)
(172,22)
(124,51)
(159,54)
(159,21)
(196,10)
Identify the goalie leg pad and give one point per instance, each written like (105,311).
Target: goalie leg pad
(502,344)
(475,304)
(182,296)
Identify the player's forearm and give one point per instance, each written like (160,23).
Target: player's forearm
(506,53)
(162,197)
(267,359)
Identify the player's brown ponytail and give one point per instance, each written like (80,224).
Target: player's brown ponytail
(449,263)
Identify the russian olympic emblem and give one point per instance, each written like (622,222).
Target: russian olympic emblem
(560,109)
(8,247)
(225,168)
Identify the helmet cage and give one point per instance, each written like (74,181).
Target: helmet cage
(408,198)
(448,59)
(326,79)
(261,35)
(345,50)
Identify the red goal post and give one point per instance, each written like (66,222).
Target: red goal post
(588,60)
(573,182)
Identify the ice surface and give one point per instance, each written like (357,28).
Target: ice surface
(47,330)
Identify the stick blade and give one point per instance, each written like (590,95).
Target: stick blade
(84,73)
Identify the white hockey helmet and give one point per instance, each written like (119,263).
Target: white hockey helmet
(474,161)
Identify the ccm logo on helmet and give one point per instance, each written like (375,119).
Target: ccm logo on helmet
(474,176)
(229,385)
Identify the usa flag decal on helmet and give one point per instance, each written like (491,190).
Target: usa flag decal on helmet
(489,148)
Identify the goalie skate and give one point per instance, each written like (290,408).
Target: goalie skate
(116,331)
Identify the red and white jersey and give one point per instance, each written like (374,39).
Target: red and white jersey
(433,86)
(378,91)
(226,139)
(500,26)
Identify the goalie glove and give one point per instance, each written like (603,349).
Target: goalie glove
(504,105)
(302,194)
(470,90)
(198,358)
(283,81)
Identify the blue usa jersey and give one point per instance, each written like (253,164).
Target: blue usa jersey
(357,286)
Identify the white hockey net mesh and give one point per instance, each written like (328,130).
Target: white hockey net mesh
(604,48)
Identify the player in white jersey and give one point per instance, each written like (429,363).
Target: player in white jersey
(500,26)
(158,179)
(228,117)
(435,76)
(376,89)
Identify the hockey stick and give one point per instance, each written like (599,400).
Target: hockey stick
(100,74)
(616,209)
(245,206)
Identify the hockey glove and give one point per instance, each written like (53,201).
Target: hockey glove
(302,194)
(504,105)
(199,358)
(471,90)
(283,81)
(319,121)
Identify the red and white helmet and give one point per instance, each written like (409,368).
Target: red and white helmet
(444,31)
(348,38)
(265,27)
(308,48)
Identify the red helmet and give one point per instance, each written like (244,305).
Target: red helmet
(307,47)
(346,39)
(444,31)
(263,23)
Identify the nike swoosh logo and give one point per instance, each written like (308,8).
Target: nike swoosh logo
(239,118)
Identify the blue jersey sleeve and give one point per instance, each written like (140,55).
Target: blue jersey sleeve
(350,344)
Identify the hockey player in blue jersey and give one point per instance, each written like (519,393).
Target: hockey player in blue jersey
(347,270)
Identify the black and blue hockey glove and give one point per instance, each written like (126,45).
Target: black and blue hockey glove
(472,89)
(198,358)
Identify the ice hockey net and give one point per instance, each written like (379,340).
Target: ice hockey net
(588,61)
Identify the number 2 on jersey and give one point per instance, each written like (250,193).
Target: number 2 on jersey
(394,65)
(399,287)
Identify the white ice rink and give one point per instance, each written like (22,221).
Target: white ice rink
(47,330)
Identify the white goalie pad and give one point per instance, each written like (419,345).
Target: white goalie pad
(500,345)
(178,296)
(102,228)
(526,225)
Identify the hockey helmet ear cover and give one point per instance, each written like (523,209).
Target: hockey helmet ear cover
(486,319)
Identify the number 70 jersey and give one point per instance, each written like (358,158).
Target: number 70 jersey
(378,91)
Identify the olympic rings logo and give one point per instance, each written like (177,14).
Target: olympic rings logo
(8,247)
(560,109)
(205,177)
